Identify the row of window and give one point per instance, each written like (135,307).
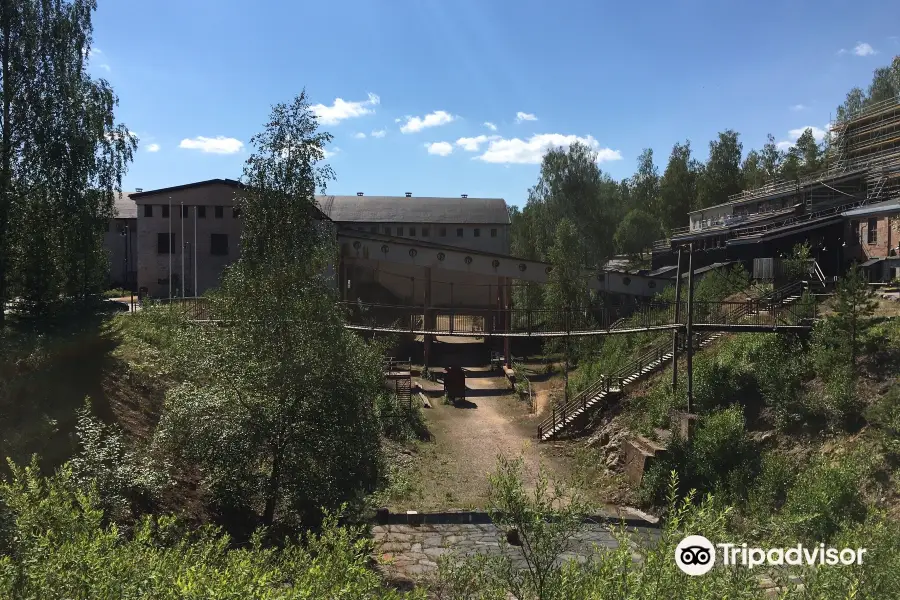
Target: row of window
(218,243)
(218,211)
(426,232)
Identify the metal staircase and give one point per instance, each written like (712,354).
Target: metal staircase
(653,360)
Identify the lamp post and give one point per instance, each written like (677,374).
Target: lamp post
(126,237)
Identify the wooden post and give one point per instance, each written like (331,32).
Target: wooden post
(677,320)
(507,304)
(690,329)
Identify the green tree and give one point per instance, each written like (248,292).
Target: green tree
(752,170)
(771,158)
(61,155)
(636,233)
(854,305)
(810,153)
(645,184)
(678,187)
(722,173)
(285,384)
(571,186)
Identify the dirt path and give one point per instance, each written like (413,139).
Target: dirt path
(452,470)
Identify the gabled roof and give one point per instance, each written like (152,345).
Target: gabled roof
(175,188)
(401,209)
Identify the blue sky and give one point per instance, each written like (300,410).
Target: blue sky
(420,78)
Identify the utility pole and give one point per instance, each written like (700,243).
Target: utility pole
(196,293)
(690,329)
(677,320)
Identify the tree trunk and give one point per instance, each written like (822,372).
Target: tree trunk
(272,488)
(5,154)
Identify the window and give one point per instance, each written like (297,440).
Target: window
(148,210)
(201,212)
(873,231)
(412,231)
(219,211)
(162,246)
(387,231)
(442,232)
(185,211)
(399,231)
(477,232)
(425,232)
(854,233)
(493,232)
(236,211)
(218,244)
(165,211)
(459,232)
(373,229)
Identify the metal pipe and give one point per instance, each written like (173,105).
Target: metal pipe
(677,319)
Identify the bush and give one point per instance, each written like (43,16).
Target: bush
(824,497)
(769,491)
(57,546)
(121,478)
(399,421)
(719,458)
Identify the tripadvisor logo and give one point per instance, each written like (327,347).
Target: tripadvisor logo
(696,555)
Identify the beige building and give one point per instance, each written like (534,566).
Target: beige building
(187,234)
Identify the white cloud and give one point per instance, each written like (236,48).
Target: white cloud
(105,67)
(864,49)
(523,116)
(440,148)
(359,135)
(531,151)
(798,107)
(341,109)
(818,134)
(490,126)
(152,147)
(330,153)
(217,145)
(379,133)
(784,146)
(471,144)
(842,51)
(435,119)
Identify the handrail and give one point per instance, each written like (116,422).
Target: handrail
(757,229)
(636,366)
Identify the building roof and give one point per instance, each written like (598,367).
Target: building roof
(124,207)
(400,209)
(185,186)
(888,207)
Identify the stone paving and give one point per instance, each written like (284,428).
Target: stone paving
(410,551)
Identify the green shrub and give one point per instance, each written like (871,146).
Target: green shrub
(400,421)
(769,490)
(824,497)
(720,458)
(57,546)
